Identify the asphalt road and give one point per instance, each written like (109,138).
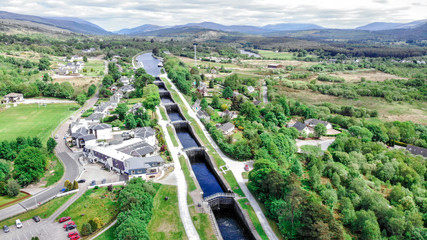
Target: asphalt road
(71,171)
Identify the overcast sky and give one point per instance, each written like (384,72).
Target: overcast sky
(117,14)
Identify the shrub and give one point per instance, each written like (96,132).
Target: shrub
(86,229)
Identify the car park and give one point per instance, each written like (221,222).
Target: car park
(93,183)
(36,219)
(70,227)
(64,219)
(81,181)
(6,229)
(18,223)
(69,223)
(71,234)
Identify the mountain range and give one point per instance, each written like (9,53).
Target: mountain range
(415,29)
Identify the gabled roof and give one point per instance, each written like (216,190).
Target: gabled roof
(100,126)
(417,150)
(202,114)
(88,137)
(299,126)
(226,127)
(196,104)
(142,162)
(80,132)
(95,117)
(142,151)
(314,122)
(144,132)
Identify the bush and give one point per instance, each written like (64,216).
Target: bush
(86,229)
(12,188)
(329,78)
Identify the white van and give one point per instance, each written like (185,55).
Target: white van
(18,223)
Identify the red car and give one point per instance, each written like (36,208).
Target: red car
(69,223)
(72,234)
(64,219)
(75,237)
(246,167)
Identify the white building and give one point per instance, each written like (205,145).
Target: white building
(101,131)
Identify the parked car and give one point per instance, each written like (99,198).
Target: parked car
(69,223)
(71,234)
(75,237)
(81,181)
(18,223)
(246,167)
(104,181)
(93,183)
(6,229)
(64,219)
(63,190)
(36,219)
(70,227)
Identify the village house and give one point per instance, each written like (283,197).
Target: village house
(13,98)
(148,134)
(203,115)
(228,113)
(202,89)
(125,80)
(250,89)
(275,66)
(145,168)
(313,122)
(101,131)
(127,89)
(417,150)
(226,128)
(301,127)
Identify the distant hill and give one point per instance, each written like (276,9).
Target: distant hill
(71,24)
(379,26)
(247,29)
(418,33)
(139,30)
(291,27)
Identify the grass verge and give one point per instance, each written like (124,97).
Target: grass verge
(244,203)
(44,211)
(58,171)
(190,182)
(202,224)
(5,201)
(172,135)
(163,113)
(165,222)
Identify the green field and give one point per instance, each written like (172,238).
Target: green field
(94,203)
(32,120)
(44,211)
(278,55)
(202,224)
(96,65)
(166,222)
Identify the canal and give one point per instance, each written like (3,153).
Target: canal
(150,63)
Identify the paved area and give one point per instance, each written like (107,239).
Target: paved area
(95,171)
(235,166)
(323,143)
(45,230)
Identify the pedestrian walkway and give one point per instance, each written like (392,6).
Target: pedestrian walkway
(190,230)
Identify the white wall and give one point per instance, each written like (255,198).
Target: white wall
(104,133)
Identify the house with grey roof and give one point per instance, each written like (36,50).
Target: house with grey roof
(13,98)
(147,134)
(101,131)
(81,137)
(125,80)
(251,89)
(196,106)
(202,114)
(143,167)
(313,122)
(417,150)
(226,128)
(95,117)
(301,127)
(103,108)
(127,89)
(135,107)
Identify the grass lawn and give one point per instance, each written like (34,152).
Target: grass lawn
(166,222)
(202,224)
(244,203)
(109,234)
(276,55)
(44,211)
(7,199)
(58,170)
(172,135)
(93,203)
(30,120)
(190,183)
(96,65)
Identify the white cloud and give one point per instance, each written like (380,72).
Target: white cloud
(114,14)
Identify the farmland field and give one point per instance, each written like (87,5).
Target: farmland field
(32,120)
